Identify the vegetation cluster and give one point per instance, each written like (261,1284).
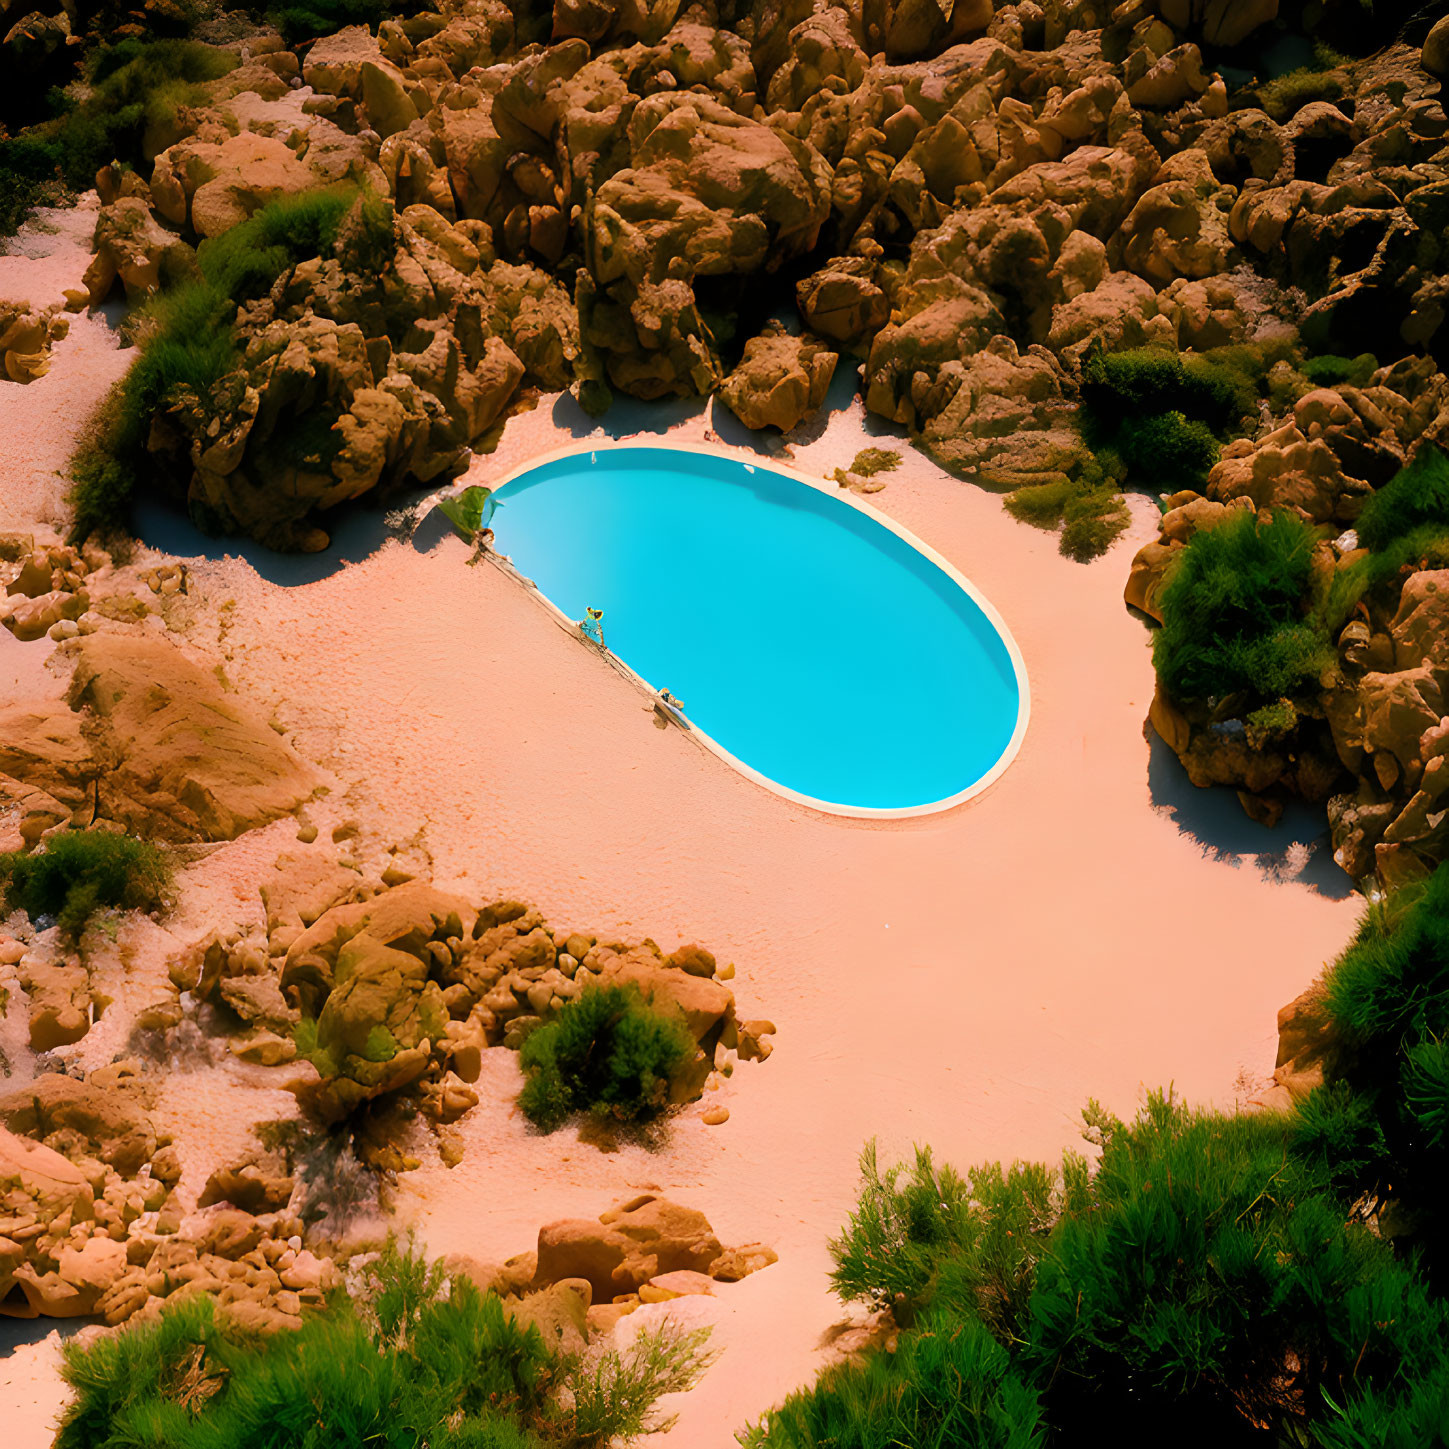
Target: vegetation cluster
(81,872)
(1246,611)
(188,344)
(126,112)
(415,1359)
(1155,418)
(1254,1279)
(609,1053)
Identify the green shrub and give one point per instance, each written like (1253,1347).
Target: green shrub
(1088,506)
(1417,497)
(1209,1255)
(1328,370)
(419,1360)
(870,461)
(136,88)
(1286,95)
(1235,612)
(188,344)
(950,1386)
(1167,450)
(986,1227)
(1217,389)
(612,1394)
(81,872)
(1382,1121)
(608,1053)
(314,18)
(1163,413)
(1203,1285)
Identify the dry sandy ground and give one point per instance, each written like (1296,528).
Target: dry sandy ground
(1085,928)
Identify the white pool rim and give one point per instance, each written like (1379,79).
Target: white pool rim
(843,495)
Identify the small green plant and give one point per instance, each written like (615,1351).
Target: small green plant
(469,511)
(870,461)
(312,18)
(1286,95)
(80,872)
(612,1395)
(609,1053)
(1328,370)
(1236,613)
(1088,507)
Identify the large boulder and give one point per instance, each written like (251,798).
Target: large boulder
(212,186)
(1435,55)
(623,1248)
(133,248)
(1219,22)
(111,1119)
(780,381)
(181,759)
(843,303)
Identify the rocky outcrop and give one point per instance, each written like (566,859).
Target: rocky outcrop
(780,381)
(26,337)
(587,1272)
(387,988)
(1362,740)
(177,758)
(91,1226)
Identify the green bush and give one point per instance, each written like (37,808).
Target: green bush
(313,18)
(1217,389)
(1286,95)
(1203,1285)
(870,461)
(81,872)
(135,90)
(188,342)
(1167,450)
(419,1361)
(1164,413)
(949,1386)
(1235,612)
(1417,497)
(1382,1121)
(985,1229)
(1328,370)
(1088,506)
(608,1053)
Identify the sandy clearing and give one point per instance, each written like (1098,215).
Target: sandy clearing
(967,979)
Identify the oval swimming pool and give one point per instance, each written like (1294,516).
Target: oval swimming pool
(817,646)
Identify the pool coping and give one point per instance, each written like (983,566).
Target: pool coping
(832,490)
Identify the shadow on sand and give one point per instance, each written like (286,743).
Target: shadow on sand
(626,416)
(1296,849)
(358,531)
(20,1332)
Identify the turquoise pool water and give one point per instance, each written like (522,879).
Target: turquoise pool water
(810,641)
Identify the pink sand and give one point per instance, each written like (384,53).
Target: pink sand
(966,980)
